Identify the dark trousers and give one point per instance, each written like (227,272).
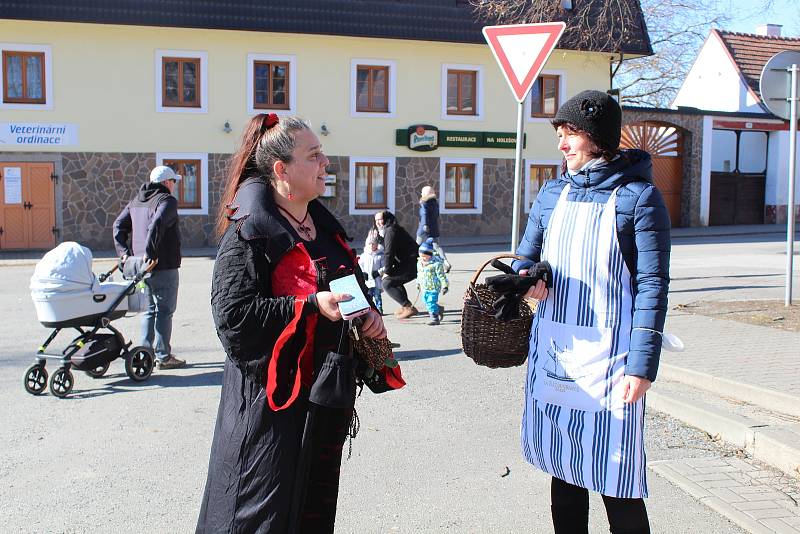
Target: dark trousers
(328,436)
(394,287)
(570,509)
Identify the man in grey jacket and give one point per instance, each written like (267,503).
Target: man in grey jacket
(151,222)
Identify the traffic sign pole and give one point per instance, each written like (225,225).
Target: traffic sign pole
(792,172)
(780,98)
(521,50)
(517,179)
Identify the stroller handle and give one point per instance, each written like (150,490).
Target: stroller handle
(150,265)
(104,276)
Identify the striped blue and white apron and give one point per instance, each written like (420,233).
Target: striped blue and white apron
(575,425)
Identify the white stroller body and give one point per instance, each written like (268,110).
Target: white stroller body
(67,294)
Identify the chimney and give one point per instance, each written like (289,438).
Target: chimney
(770,30)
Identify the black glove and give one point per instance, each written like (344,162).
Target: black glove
(500,266)
(515,283)
(512,287)
(508,284)
(375,275)
(364,276)
(506,307)
(445,290)
(542,271)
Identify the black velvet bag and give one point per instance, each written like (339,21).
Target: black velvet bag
(374,380)
(335,385)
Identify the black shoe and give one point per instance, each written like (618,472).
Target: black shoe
(434,321)
(441,313)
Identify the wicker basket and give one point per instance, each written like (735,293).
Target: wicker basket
(489,341)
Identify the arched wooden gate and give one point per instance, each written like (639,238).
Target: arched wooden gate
(664,142)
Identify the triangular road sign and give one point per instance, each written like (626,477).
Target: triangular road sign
(521,50)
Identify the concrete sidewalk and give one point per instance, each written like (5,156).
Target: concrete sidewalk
(777,231)
(737,381)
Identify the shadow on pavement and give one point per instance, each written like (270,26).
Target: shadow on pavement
(423,354)
(721,288)
(685,278)
(123,384)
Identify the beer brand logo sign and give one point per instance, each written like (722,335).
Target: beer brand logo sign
(423,137)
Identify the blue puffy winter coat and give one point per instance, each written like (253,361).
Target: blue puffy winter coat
(428,216)
(643,231)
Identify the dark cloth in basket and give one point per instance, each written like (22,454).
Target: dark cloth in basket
(512,287)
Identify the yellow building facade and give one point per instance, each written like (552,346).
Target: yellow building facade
(93,102)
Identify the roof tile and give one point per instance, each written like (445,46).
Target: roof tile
(428,20)
(750,52)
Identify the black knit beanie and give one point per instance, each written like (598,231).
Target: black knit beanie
(597,114)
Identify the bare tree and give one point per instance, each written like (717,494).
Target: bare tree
(677,28)
(591,24)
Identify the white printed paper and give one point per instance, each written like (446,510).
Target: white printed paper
(12,185)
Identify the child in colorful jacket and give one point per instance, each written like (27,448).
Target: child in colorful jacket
(431,279)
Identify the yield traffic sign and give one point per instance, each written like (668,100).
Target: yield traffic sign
(521,50)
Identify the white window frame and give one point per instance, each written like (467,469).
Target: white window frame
(390,184)
(48,75)
(188,54)
(251,97)
(478,162)
(562,93)
(203,157)
(528,198)
(354,63)
(478,92)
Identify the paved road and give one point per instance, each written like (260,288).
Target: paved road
(122,457)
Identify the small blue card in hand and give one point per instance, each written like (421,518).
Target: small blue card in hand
(358,305)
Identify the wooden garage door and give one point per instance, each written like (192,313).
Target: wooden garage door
(664,143)
(736,198)
(27,206)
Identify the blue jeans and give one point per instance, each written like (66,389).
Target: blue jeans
(161,289)
(375,293)
(432,302)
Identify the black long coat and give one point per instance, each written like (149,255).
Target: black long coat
(255,450)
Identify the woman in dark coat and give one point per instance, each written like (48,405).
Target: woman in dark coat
(428,227)
(400,253)
(277,321)
(597,335)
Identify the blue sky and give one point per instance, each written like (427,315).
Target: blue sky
(745,15)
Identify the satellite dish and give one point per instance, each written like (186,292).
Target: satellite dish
(776,82)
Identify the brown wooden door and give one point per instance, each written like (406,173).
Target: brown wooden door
(27,206)
(736,198)
(664,143)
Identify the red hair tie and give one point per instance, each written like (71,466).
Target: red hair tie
(270,120)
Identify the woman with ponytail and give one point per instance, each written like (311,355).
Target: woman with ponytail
(270,472)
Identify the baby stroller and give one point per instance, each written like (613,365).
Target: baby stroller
(66,294)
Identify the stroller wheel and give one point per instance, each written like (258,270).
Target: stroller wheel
(35,379)
(61,382)
(98,371)
(139,363)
